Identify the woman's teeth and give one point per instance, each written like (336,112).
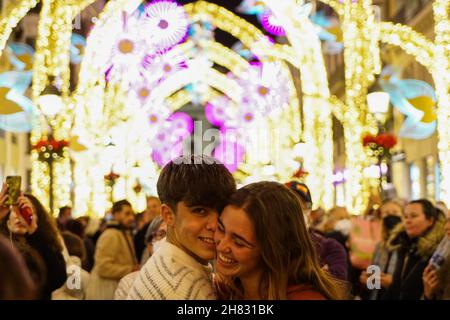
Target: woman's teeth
(226,259)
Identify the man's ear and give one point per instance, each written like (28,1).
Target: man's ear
(167,214)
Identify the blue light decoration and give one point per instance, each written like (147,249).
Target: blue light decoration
(251,7)
(329,31)
(245,53)
(415,99)
(20,56)
(21,118)
(77,45)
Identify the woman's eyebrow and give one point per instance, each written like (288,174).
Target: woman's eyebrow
(242,239)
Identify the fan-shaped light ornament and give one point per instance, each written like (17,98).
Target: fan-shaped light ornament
(17,112)
(167,23)
(415,99)
(21,56)
(78,43)
(271,23)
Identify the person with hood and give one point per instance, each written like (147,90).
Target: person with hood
(414,243)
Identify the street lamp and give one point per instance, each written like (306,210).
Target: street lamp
(50,101)
(378,105)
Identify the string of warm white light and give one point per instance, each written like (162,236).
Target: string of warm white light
(361,36)
(441,76)
(11,16)
(409,40)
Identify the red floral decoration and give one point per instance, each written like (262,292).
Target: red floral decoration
(380,144)
(300,173)
(50,149)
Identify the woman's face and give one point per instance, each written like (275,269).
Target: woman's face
(16,224)
(416,223)
(238,253)
(390,209)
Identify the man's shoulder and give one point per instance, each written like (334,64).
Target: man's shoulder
(165,276)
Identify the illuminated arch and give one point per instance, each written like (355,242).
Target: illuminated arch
(13,14)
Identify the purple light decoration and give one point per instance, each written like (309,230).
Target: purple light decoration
(270,23)
(215,111)
(181,125)
(166,153)
(230,153)
(168,23)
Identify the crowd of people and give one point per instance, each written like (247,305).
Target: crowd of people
(202,238)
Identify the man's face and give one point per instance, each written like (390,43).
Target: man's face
(153,207)
(194,229)
(125,217)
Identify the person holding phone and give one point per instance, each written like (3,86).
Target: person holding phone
(39,233)
(436,276)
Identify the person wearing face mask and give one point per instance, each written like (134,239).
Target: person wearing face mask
(114,255)
(391,214)
(414,242)
(156,233)
(39,238)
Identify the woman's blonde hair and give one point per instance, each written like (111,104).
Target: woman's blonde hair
(288,256)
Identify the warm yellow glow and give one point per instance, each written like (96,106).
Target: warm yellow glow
(97,119)
(11,16)
(441,77)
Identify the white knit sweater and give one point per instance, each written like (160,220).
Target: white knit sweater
(172,274)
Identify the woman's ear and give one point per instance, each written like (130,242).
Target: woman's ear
(167,214)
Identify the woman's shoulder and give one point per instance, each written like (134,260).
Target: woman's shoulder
(303,292)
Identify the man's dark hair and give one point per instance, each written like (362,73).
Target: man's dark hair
(195,180)
(63,210)
(430,211)
(118,205)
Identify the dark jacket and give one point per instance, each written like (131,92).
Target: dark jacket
(332,254)
(54,262)
(139,241)
(412,258)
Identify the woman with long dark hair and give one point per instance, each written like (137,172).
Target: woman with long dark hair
(40,236)
(414,243)
(264,250)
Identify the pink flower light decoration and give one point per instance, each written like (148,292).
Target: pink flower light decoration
(167,23)
(271,23)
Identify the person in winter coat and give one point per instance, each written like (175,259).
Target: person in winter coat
(436,281)
(114,255)
(391,214)
(41,236)
(414,242)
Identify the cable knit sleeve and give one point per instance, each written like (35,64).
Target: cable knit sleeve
(108,246)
